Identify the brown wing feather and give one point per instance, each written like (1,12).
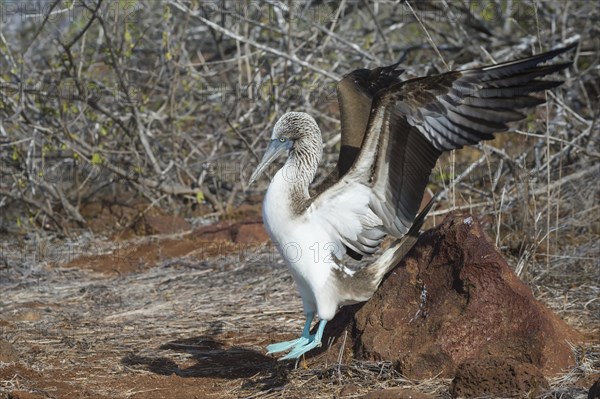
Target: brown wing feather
(355,93)
(414,121)
(411,123)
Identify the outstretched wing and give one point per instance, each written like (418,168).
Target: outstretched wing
(355,93)
(413,122)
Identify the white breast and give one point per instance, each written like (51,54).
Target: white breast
(306,248)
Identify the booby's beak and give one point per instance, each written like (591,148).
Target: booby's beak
(275,148)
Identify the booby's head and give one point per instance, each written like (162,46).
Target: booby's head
(289,129)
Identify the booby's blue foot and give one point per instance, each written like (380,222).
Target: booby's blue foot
(314,342)
(299,351)
(295,343)
(283,346)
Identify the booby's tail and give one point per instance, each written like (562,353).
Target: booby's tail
(364,282)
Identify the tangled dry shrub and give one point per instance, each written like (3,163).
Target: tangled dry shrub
(170,103)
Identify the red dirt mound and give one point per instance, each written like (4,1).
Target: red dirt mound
(454,299)
(497,377)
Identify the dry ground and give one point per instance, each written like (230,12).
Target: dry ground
(194,324)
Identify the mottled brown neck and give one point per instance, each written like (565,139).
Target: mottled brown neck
(302,167)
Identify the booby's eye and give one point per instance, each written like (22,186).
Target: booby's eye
(282,140)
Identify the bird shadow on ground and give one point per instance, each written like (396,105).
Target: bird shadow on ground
(214,357)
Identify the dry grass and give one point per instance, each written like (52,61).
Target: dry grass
(203,321)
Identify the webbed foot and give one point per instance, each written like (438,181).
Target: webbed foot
(283,346)
(312,342)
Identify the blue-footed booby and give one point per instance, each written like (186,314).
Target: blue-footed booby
(393,132)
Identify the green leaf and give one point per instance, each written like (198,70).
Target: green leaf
(96,159)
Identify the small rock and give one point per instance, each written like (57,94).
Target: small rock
(396,393)
(497,377)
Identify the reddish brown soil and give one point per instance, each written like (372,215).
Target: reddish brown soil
(205,242)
